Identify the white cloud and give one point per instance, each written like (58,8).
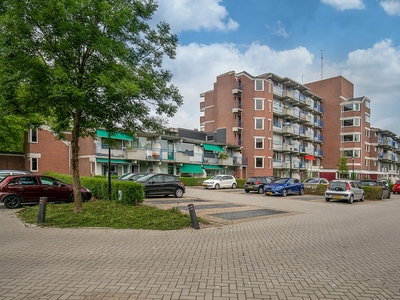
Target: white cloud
(345,4)
(185,15)
(375,73)
(279,30)
(392,7)
(196,67)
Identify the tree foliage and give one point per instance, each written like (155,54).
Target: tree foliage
(343,169)
(87,63)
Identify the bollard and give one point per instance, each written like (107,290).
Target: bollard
(42,210)
(193,218)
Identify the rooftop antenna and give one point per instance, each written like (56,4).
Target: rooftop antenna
(322,64)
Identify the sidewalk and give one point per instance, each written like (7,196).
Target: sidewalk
(318,250)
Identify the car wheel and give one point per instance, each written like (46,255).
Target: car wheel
(260,190)
(388,195)
(284,193)
(178,193)
(350,201)
(234,185)
(362,197)
(247,191)
(382,196)
(301,191)
(12,201)
(83,197)
(217,186)
(327,199)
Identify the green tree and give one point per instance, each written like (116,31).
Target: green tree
(343,169)
(88,64)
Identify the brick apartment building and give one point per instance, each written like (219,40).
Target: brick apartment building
(276,120)
(289,129)
(182,152)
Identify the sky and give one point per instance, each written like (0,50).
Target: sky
(305,40)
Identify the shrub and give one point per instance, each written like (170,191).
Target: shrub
(126,192)
(372,192)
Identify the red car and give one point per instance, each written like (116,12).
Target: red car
(396,187)
(28,189)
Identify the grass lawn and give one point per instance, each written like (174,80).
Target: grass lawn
(111,214)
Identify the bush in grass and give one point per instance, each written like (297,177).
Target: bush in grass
(126,192)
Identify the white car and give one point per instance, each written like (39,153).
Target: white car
(220,181)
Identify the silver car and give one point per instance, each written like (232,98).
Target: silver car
(344,189)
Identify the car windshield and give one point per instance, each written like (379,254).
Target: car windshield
(282,180)
(144,178)
(216,177)
(338,185)
(311,180)
(369,183)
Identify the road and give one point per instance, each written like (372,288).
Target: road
(258,247)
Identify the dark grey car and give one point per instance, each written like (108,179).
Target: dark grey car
(256,183)
(162,185)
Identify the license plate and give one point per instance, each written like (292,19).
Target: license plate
(337,197)
(250,186)
(269,193)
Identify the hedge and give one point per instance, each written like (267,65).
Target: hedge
(127,192)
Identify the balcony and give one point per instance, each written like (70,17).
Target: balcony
(237,110)
(202,106)
(237,91)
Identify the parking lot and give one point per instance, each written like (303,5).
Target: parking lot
(258,247)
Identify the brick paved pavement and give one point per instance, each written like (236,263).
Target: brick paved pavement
(318,250)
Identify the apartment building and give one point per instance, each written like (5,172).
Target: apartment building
(276,120)
(176,151)
(369,152)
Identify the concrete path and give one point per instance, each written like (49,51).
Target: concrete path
(315,250)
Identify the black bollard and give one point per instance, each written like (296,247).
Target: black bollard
(193,218)
(42,210)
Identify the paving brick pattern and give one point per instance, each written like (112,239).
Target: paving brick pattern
(317,250)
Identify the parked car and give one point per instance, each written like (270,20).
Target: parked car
(378,183)
(131,176)
(344,189)
(312,183)
(256,183)
(284,187)
(220,181)
(16,191)
(162,185)
(4,173)
(396,187)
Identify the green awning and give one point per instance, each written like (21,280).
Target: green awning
(116,136)
(113,161)
(210,147)
(212,167)
(189,168)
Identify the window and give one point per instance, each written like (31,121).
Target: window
(269,162)
(259,143)
(367,133)
(351,122)
(259,123)
(33,135)
(367,148)
(367,103)
(259,84)
(351,106)
(34,164)
(367,118)
(269,105)
(351,137)
(259,104)
(259,162)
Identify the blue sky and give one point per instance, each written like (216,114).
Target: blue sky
(359,39)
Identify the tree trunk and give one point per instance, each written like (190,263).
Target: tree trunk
(76,182)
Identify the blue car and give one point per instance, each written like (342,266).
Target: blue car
(284,187)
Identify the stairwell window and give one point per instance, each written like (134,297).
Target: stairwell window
(34,164)
(259,104)
(33,136)
(259,84)
(259,162)
(259,143)
(259,123)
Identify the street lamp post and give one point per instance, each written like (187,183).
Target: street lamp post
(353,177)
(290,161)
